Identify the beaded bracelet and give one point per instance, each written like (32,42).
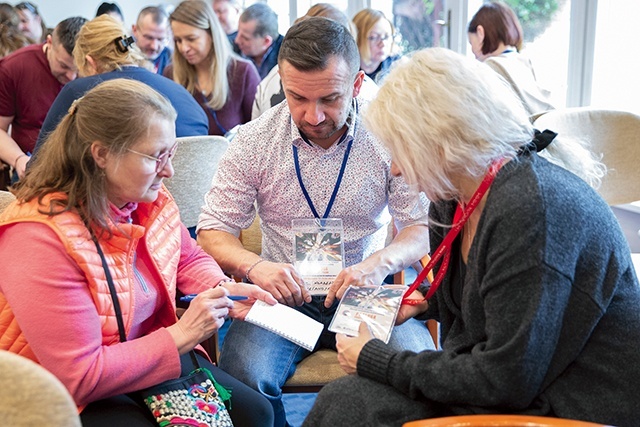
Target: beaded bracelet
(246,276)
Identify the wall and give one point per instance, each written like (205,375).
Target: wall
(54,11)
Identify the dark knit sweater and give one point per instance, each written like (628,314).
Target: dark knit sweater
(549,322)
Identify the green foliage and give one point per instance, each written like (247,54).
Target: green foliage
(535,15)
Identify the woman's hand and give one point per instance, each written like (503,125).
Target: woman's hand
(408,311)
(204,316)
(349,348)
(239,309)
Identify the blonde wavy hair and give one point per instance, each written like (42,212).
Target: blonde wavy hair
(98,39)
(445,116)
(200,14)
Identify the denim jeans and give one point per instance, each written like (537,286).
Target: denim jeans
(264,360)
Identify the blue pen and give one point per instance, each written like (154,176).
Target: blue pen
(189,297)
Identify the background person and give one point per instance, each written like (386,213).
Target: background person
(98,181)
(375,42)
(319,125)
(223,83)
(111,9)
(11,39)
(495,35)
(152,34)
(228,13)
(270,91)
(30,80)
(258,37)
(100,56)
(533,311)
(31,23)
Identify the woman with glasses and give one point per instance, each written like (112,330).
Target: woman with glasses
(375,42)
(31,23)
(203,62)
(92,206)
(103,51)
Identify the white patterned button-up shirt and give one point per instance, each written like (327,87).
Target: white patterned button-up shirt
(258,171)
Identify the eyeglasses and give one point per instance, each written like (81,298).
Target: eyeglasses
(161,160)
(376,38)
(28,6)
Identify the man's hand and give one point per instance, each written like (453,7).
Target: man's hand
(349,348)
(282,281)
(361,274)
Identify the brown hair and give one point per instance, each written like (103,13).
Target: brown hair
(11,39)
(500,24)
(117,113)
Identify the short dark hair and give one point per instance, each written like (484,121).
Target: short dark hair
(500,24)
(106,8)
(66,32)
(312,42)
(266,20)
(158,15)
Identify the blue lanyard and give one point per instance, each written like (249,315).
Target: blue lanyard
(215,118)
(335,189)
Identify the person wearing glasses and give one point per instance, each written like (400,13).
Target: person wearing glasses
(93,202)
(375,43)
(31,23)
(104,52)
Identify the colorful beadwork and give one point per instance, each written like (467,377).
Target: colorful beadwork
(190,401)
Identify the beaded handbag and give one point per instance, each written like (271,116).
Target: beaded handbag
(194,400)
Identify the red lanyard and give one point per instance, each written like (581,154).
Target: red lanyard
(459,219)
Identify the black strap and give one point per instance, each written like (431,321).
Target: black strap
(540,141)
(112,291)
(116,303)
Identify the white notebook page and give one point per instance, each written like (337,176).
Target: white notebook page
(286,322)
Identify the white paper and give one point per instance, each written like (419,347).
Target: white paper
(286,322)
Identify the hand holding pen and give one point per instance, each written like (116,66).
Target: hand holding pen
(188,298)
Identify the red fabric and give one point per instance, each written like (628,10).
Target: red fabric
(27,90)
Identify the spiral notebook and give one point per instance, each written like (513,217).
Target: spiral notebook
(286,322)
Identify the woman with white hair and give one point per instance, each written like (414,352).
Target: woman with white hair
(534,310)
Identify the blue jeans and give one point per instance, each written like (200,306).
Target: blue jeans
(264,360)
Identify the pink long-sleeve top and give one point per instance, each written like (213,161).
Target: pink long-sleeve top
(50,299)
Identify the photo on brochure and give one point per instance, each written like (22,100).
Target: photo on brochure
(377,306)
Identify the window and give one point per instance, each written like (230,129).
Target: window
(615,67)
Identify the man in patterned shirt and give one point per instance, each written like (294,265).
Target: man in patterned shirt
(287,165)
